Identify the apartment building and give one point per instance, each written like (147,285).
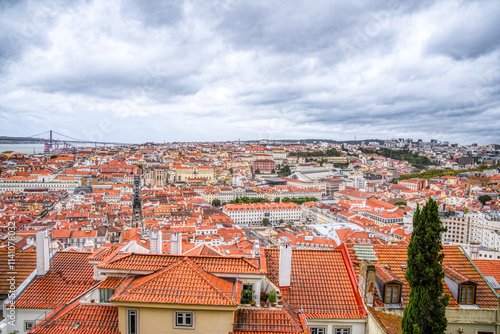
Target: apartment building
(22,183)
(253,214)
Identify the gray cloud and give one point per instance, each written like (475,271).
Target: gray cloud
(196,70)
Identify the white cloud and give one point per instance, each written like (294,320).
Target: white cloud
(230,69)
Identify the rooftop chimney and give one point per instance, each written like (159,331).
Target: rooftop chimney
(256,249)
(176,244)
(89,245)
(285,265)
(366,282)
(156,242)
(42,253)
(474,250)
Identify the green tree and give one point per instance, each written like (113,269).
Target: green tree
(231,171)
(257,171)
(485,198)
(216,202)
(400,203)
(285,171)
(277,200)
(266,222)
(426,308)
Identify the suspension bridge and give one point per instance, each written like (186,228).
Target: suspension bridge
(54,141)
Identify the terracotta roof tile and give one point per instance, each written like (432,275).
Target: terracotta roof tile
(211,264)
(81,319)
(203,249)
(489,268)
(110,283)
(69,276)
(183,282)
(257,321)
(390,323)
(23,265)
(320,284)
(455,261)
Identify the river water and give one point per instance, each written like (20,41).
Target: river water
(25,148)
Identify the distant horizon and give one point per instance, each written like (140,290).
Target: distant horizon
(271,141)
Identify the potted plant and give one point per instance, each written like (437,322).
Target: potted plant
(272,297)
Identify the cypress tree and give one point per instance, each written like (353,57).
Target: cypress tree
(425,312)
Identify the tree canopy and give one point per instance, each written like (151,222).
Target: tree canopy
(247,200)
(285,171)
(444,172)
(425,312)
(484,198)
(405,155)
(299,200)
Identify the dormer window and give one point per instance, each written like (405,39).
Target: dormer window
(105,295)
(392,294)
(467,294)
(461,287)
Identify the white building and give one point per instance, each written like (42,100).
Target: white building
(20,183)
(253,214)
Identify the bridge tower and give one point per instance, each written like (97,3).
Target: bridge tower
(47,148)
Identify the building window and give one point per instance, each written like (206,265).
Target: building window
(105,294)
(391,294)
(467,294)
(184,319)
(28,325)
(132,322)
(318,330)
(342,331)
(247,294)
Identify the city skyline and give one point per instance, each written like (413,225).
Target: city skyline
(190,71)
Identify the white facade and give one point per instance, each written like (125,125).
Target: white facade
(253,214)
(19,184)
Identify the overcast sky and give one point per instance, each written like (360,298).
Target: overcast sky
(137,71)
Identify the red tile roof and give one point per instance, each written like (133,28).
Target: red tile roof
(154,262)
(455,261)
(260,321)
(69,276)
(23,265)
(183,282)
(81,319)
(489,268)
(391,324)
(320,284)
(203,250)
(104,252)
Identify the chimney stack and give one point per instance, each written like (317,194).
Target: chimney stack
(155,242)
(366,282)
(474,250)
(176,244)
(256,249)
(285,265)
(89,245)
(42,253)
